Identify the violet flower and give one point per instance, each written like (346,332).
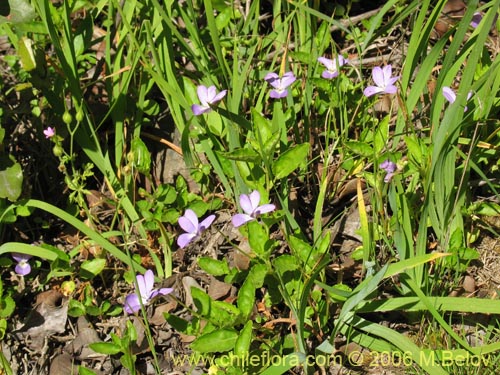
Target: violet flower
(451,96)
(208,96)
(146,293)
(383,81)
(476,19)
(23,268)
(193,229)
(389,167)
(280,84)
(250,204)
(332,66)
(49,132)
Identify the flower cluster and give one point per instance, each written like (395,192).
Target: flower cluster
(134,301)
(390,168)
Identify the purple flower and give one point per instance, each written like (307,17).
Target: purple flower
(476,19)
(193,229)
(49,132)
(23,268)
(332,66)
(250,204)
(450,95)
(208,96)
(383,81)
(279,84)
(146,293)
(389,167)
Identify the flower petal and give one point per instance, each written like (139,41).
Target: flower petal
(246,204)
(390,89)
(270,77)
(23,268)
(145,284)
(203,95)
(264,209)
(372,90)
(378,76)
(329,64)
(449,94)
(254,199)
(218,97)
(240,219)
(160,292)
(184,239)
(275,94)
(388,166)
(206,223)
(132,304)
(18,257)
(287,79)
(189,222)
(211,92)
(200,109)
(329,75)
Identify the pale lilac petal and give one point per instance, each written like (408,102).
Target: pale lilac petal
(160,292)
(387,73)
(287,79)
(449,94)
(391,89)
(276,94)
(19,257)
(184,239)
(271,77)
(329,75)
(388,177)
(218,97)
(206,223)
(264,209)
(392,80)
(329,64)
(378,76)
(23,268)
(200,109)
(211,92)
(372,90)
(132,304)
(145,285)
(254,199)
(203,95)
(240,219)
(189,222)
(246,204)
(388,166)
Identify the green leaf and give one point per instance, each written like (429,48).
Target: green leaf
(21,11)
(7,306)
(201,300)
(75,308)
(214,267)
(246,298)
(359,148)
(85,371)
(243,154)
(381,135)
(108,348)
(223,314)
(302,250)
(91,268)
(257,237)
(242,345)
(290,160)
(11,178)
(25,52)
(139,156)
(222,340)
